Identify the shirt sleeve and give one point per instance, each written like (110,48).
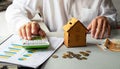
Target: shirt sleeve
(108,10)
(19,13)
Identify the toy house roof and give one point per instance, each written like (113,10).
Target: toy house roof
(72,23)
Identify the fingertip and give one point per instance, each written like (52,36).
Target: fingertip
(92,35)
(34,31)
(42,33)
(25,37)
(29,38)
(101,37)
(89,27)
(96,37)
(108,36)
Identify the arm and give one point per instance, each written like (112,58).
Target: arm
(19,13)
(19,16)
(100,27)
(108,10)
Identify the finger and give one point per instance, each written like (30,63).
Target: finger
(99,28)
(20,33)
(103,29)
(28,31)
(89,27)
(34,28)
(42,33)
(93,27)
(109,31)
(23,31)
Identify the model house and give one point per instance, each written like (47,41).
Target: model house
(74,33)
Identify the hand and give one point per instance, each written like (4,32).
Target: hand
(99,27)
(29,29)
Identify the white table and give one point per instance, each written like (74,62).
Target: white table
(98,58)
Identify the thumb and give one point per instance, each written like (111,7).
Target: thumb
(89,27)
(42,33)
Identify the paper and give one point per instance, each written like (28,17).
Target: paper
(30,58)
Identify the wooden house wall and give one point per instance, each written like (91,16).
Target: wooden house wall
(77,36)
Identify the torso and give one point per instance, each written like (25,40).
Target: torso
(57,12)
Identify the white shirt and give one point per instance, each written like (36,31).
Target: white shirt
(57,12)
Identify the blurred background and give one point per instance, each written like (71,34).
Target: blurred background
(117,5)
(5,3)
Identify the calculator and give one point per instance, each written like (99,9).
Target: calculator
(37,42)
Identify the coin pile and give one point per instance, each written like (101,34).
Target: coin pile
(82,55)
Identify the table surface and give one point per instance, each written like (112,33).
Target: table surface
(98,59)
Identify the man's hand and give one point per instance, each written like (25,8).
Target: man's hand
(99,27)
(29,29)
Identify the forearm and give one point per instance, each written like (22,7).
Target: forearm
(19,14)
(108,10)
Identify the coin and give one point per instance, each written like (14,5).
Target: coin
(54,56)
(84,58)
(88,51)
(84,53)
